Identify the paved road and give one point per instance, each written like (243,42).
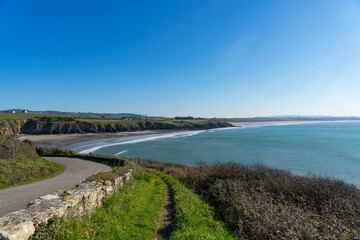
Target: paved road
(76,170)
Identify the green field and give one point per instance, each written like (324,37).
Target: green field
(15,116)
(176,121)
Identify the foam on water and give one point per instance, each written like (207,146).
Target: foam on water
(320,148)
(139,140)
(119,153)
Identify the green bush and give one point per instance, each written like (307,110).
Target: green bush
(263,203)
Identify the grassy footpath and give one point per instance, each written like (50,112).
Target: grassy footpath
(23,171)
(133,211)
(194,219)
(130,213)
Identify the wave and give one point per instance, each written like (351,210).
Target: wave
(119,153)
(144,139)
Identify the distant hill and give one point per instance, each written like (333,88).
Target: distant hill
(83,114)
(291,118)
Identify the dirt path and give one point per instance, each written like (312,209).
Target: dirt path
(166,215)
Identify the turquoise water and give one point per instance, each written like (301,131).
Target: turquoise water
(324,149)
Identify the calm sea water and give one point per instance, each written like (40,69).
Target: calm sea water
(324,149)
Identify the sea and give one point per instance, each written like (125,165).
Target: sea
(327,149)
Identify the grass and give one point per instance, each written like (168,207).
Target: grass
(107,176)
(162,120)
(133,211)
(130,213)
(23,171)
(177,121)
(194,219)
(16,116)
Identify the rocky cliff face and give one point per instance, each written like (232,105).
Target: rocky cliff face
(11,127)
(69,126)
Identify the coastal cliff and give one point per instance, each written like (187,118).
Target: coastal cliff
(70,126)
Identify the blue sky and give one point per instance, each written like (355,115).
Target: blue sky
(203,58)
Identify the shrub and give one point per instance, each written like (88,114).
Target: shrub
(11,148)
(258,202)
(264,203)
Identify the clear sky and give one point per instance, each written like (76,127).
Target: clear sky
(203,58)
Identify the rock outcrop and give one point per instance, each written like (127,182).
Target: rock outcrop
(20,225)
(11,127)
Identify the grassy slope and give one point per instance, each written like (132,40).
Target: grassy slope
(23,171)
(130,213)
(194,219)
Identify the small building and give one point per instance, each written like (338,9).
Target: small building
(25,111)
(13,112)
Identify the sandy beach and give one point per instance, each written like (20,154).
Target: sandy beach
(62,140)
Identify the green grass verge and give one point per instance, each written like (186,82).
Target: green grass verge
(194,219)
(23,171)
(130,213)
(107,176)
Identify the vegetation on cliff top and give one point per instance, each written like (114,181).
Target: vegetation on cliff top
(20,164)
(264,203)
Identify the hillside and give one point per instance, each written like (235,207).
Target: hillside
(20,164)
(69,125)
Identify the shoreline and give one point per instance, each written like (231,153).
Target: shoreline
(269,123)
(63,140)
(239,124)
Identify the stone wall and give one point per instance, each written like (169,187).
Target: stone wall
(83,198)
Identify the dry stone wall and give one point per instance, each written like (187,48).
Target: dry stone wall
(85,197)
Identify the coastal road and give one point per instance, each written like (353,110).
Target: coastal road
(76,170)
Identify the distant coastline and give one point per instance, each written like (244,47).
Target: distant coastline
(64,140)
